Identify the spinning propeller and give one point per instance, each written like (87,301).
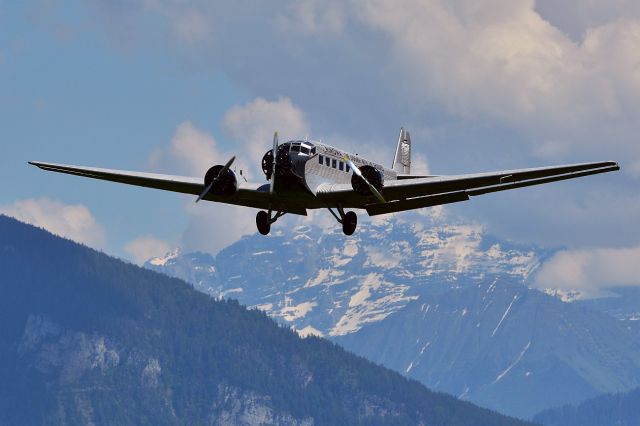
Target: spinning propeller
(275,160)
(220,175)
(357,171)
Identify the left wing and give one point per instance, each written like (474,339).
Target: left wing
(407,194)
(248,194)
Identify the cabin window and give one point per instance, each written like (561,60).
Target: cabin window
(326,161)
(347,168)
(334,163)
(313,150)
(341,165)
(320,159)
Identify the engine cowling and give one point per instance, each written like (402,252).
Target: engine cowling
(226,185)
(283,162)
(370,173)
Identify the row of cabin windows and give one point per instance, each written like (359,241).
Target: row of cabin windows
(332,162)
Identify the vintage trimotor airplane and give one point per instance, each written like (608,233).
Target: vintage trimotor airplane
(310,175)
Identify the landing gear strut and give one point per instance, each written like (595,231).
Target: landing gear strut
(349,220)
(265,219)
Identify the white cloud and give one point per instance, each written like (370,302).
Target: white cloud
(213,226)
(70,221)
(504,83)
(590,271)
(145,247)
(574,17)
(357,66)
(192,152)
(502,61)
(252,126)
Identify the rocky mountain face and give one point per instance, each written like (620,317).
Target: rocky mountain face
(443,303)
(88,339)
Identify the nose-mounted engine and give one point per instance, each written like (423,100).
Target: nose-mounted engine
(283,162)
(226,184)
(372,175)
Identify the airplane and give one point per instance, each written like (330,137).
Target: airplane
(305,175)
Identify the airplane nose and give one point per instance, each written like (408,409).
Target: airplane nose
(283,162)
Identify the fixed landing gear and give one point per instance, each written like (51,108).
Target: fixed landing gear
(264,220)
(349,220)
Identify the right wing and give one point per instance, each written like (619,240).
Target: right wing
(248,194)
(407,194)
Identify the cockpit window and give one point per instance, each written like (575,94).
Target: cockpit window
(295,148)
(304,150)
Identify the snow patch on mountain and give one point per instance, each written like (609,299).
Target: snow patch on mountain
(292,313)
(374,300)
(162,261)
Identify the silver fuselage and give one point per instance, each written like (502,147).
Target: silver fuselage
(314,164)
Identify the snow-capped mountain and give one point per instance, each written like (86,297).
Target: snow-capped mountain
(329,285)
(441,302)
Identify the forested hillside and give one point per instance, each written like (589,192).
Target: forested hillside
(621,409)
(88,338)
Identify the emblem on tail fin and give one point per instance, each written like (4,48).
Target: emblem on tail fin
(402,158)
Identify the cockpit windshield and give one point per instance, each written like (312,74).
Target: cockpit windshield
(300,147)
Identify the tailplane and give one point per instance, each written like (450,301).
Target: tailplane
(402,158)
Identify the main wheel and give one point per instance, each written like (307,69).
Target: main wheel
(263,223)
(349,223)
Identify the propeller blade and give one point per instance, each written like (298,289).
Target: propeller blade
(275,160)
(357,171)
(221,173)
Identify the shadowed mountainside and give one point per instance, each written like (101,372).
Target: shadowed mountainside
(88,338)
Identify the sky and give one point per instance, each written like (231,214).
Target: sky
(176,86)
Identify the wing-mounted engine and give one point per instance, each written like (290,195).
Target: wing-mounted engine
(283,162)
(225,184)
(372,175)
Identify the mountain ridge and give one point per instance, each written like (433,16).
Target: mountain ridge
(325,284)
(85,338)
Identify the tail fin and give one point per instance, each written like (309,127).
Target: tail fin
(402,158)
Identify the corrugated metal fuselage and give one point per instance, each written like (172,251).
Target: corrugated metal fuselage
(322,165)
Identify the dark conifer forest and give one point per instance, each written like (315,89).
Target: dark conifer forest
(88,338)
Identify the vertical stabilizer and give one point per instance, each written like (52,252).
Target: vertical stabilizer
(402,158)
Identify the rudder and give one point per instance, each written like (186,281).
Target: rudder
(402,158)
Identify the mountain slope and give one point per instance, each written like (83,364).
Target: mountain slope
(370,292)
(619,410)
(85,338)
(504,346)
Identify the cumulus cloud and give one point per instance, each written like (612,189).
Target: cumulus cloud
(252,126)
(73,221)
(192,151)
(214,226)
(359,65)
(519,82)
(591,271)
(574,17)
(507,64)
(145,247)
